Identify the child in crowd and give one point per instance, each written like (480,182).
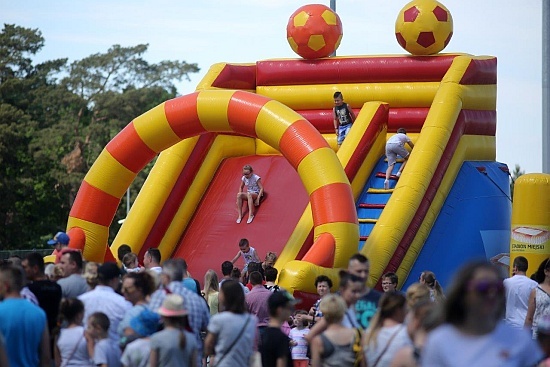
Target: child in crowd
(136,353)
(396,147)
(389,282)
(343,117)
(131,263)
(298,341)
(104,353)
(253,194)
(70,345)
(173,346)
(248,253)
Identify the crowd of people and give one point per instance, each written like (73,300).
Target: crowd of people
(149,312)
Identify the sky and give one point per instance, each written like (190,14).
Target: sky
(206,32)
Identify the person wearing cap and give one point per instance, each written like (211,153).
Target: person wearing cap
(59,241)
(199,315)
(275,345)
(104,298)
(73,284)
(173,346)
(137,348)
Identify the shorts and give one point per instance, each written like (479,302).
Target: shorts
(343,132)
(394,150)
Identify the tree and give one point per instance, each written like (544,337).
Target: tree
(56,118)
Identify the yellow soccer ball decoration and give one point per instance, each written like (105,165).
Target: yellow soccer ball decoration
(424,27)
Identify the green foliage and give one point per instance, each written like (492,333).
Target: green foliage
(56,118)
(514,176)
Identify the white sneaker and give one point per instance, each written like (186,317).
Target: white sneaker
(398,174)
(250,219)
(386,184)
(239,220)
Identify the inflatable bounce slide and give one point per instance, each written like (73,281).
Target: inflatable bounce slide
(324,203)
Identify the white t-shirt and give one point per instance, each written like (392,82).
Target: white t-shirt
(374,351)
(136,354)
(299,351)
(399,138)
(503,347)
(518,289)
(252,183)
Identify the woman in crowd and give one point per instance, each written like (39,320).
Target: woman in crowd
(436,292)
(90,274)
(417,293)
(211,291)
(539,300)
(335,346)
(136,288)
(474,333)
(422,318)
(387,333)
(70,344)
(231,333)
(323,285)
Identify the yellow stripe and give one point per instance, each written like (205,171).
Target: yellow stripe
(153,195)
(96,238)
(320,168)
(272,122)
(212,110)
(154,130)
(104,169)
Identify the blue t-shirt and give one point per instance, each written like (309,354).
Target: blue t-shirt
(366,307)
(22,325)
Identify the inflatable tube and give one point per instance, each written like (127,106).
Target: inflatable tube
(223,111)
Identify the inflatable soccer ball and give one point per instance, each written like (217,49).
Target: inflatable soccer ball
(314,31)
(424,27)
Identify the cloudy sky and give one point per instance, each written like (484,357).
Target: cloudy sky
(210,31)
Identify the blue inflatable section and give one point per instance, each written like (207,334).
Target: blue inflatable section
(474,222)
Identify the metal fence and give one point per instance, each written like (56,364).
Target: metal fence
(22,253)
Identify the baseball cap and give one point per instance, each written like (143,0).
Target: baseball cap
(108,271)
(281,298)
(145,323)
(61,238)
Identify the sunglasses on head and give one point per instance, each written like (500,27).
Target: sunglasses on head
(486,286)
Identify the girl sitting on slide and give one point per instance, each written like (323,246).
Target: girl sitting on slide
(255,191)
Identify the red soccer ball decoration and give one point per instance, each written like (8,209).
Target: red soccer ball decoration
(424,27)
(314,31)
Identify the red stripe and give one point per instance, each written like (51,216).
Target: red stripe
(243,110)
(128,149)
(300,138)
(367,141)
(424,206)
(236,77)
(353,70)
(177,194)
(481,72)
(478,122)
(182,115)
(327,206)
(94,205)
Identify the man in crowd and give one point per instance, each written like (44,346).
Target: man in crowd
(23,325)
(47,292)
(518,288)
(198,313)
(227,268)
(151,260)
(73,283)
(256,300)
(366,306)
